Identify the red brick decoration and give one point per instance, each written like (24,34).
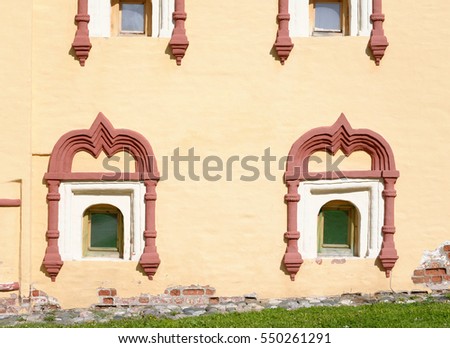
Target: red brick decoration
(4,287)
(4,202)
(434,270)
(102,136)
(81,44)
(283,43)
(340,136)
(179,41)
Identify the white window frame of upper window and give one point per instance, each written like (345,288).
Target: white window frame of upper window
(76,197)
(364,194)
(359,18)
(100,22)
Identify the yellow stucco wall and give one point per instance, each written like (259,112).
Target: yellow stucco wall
(15,141)
(229,97)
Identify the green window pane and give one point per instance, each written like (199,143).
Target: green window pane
(335,227)
(103,230)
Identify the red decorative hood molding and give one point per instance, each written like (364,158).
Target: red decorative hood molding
(340,136)
(102,136)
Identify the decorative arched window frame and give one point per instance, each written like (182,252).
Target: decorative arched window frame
(340,136)
(359,11)
(162,27)
(102,136)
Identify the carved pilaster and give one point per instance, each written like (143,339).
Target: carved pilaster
(283,43)
(81,44)
(388,254)
(150,259)
(292,258)
(179,41)
(378,41)
(52,259)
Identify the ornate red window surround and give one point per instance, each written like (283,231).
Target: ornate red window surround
(340,136)
(102,136)
(82,45)
(377,43)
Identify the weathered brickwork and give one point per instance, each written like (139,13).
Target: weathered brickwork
(434,270)
(180,295)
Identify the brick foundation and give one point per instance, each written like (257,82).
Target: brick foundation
(434,270)
(37,301)
(192,295)
(180,295)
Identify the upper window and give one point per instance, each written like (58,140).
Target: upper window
(133,17)
(130,17)
(330,17)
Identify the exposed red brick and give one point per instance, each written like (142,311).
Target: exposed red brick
(214,300)
(418,280)
(108,300)
(2,310)
(193,292)
(113,292)
(11,301)
(447,247)
(446,277)
(37,293)
(104,292)
(436,279)
(175,292)
(209,292)
(435,271)
(144,299)
(419,272)
(448,255)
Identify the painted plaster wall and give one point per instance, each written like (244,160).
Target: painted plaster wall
(15,142)
(231,97)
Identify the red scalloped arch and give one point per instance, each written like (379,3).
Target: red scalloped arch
(340,136)
(102,136)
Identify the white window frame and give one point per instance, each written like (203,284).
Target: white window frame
(76,197)
(359,13)
(100,22)
(364,194)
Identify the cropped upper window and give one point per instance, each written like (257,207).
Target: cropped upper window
(133,17)
(330,17)
(130,17)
